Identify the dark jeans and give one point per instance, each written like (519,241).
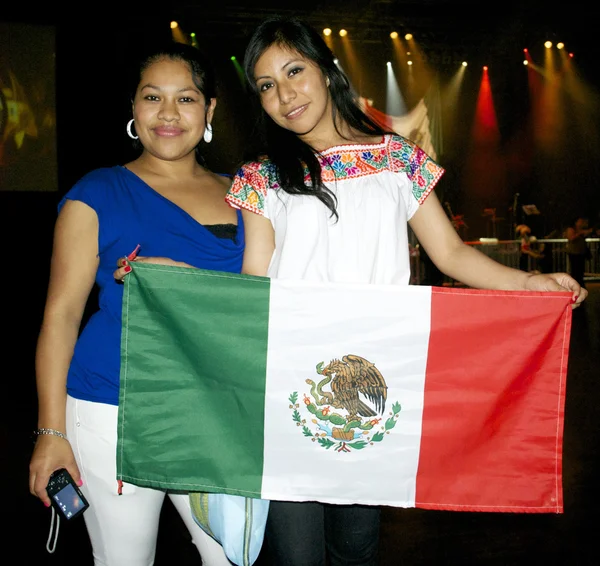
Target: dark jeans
(318,534)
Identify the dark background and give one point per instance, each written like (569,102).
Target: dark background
(92,105)
(92,44)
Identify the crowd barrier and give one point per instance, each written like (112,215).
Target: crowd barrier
(507,252)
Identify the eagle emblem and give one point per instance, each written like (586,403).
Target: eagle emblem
(349,414)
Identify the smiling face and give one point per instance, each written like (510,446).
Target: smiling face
(293,92)
(170,110)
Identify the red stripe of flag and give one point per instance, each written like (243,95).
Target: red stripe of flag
(494,402)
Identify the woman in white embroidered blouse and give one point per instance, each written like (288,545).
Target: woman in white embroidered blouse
(330,200)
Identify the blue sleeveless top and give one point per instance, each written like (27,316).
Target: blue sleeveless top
(129,213)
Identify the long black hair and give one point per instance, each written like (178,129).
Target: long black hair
(284,148)
(202,70)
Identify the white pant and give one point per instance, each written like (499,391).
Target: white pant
(122,528)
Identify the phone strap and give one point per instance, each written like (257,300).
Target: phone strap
(51,546)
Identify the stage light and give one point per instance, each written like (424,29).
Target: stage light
(560,45)
(389,63)
(525,62)
(409,62)
(485,67)
(394,34)
(464,63)
(336,61)
(548,44)
(343,33)
(327,31)
(174,24)
(233,58)
(408,36)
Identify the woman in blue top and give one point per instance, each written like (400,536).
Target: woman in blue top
(170,204)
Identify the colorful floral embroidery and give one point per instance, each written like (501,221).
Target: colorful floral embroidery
(395,153)
(249,187)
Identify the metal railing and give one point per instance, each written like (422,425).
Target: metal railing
(508,253)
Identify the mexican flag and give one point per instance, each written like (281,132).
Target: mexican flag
(436,398)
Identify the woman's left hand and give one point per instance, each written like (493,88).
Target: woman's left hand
(557,282)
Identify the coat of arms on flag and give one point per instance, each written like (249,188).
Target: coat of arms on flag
(349,415)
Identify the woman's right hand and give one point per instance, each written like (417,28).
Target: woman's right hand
(50,453)
(124,266)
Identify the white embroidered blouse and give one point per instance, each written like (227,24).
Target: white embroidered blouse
(378,188)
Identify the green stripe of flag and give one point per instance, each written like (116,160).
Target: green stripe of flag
(159,323)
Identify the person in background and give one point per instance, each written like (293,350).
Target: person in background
(328,198)
(529,251)
(169,203)
(577,248)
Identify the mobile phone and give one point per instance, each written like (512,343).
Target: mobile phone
(66,497)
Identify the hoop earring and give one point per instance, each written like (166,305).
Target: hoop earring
(129,132)
(208,133)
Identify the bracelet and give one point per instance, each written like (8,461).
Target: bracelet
(51,431)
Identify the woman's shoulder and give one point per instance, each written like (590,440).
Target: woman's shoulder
(251,185)
(97,178)
(103,173)
(398,142)
(262,167)
(94,187)
(407,153)
(222,179)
